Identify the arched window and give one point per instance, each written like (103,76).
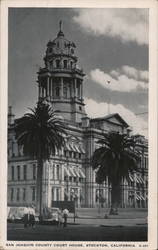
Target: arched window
(65,64)
(71,64)
(57,172)
(57,63)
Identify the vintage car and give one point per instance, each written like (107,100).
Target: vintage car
(51,216)
(16,214)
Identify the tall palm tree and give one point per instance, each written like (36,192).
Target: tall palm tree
(116,158)
(40,132)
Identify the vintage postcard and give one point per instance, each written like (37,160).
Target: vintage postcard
(78,119)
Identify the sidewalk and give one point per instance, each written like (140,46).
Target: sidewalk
(108,222)
(95,217)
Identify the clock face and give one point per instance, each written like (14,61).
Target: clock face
(72,51)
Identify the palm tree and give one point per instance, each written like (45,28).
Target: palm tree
(41,133)
(116,158)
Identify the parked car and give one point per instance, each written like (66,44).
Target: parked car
(16,214)
(51,216)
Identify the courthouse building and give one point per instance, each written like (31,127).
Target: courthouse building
(69,175)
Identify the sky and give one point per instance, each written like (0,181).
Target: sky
(112,47)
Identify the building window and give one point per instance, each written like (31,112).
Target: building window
(25,172)
(24,194)
(18,173)
(146,162)
(33,193)
(57,91)
(57,194)
(53,174)
(12,173)
(34,172)
(50,50)
(52,194)
(57,172)
(70,154)
(50,64)
(57,63)
(12,194)
(71,64)
(70,178)
(79,155)
(65,153)
(18,194)
(13,147)
(65,64)
(66,178)
(80,179)
(65,92)
(19,154)
(80,108)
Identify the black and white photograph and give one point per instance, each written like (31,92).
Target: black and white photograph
(78,127)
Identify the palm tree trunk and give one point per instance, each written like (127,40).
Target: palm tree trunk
(39,187)
(115,198)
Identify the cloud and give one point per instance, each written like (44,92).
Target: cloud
(125,24)
(133,73)
(95,109)
(125,79)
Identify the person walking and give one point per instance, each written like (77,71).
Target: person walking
(60,217)
(32,216)
(65,216)
(26,216)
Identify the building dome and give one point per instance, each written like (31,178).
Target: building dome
(61,80)
(60,45)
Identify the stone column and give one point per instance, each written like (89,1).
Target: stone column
(55,173)
(62,193)
(71,88)
(81,90)
(62,83)
(55,194)
(47,87)
(75,87)
(50,87)
(42,92)
(104,196)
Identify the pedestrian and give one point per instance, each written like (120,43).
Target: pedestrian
(65,216)
(60,217)
(32,216)
(26,216)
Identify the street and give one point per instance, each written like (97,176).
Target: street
(129,225)
(77,232)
